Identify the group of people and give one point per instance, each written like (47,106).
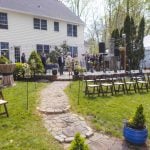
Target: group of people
(69,62)
(88,61)
(93,62)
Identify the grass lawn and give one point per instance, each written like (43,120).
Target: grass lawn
(107,113)
(24,130)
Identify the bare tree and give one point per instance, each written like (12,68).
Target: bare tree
(79,7)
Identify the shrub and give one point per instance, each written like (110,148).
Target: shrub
(35,63)
(20,70)
(78,143)
(4,60)
(78,68)
(138,121)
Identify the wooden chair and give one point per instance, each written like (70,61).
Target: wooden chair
(3,103)
(119,85)
(106,87)
(130,85)
(91,88)
(147,74)
(142,84)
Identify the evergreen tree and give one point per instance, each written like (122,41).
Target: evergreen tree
(134,54)
(140,38)
(134,42)
(127,31)
(35,63)
(78,143)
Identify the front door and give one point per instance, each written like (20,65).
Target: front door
(17,54)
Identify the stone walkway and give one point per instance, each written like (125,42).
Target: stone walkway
(63,124)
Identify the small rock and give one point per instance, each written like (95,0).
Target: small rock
(59,138)
(89,134)
(69,139)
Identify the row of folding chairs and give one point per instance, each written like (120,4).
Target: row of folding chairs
(113,85)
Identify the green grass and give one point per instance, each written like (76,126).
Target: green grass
(107,113)
(24,130)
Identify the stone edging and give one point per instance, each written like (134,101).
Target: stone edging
(54,111)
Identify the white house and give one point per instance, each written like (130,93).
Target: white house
(27,25)
(146,62)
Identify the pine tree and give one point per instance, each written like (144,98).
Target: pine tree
(139,118)
(140,38)
(127,31)
(78,143)
(35,63)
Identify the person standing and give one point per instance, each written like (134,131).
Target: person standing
(61,63)
(43,58)
(23,58)
(69,62)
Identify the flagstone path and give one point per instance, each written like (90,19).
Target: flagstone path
(63,124)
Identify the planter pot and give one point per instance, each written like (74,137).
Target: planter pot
(54,71)
(76,73)
(7,71)
(135,136)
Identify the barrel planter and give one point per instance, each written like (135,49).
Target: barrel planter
(7,74)
(135,136)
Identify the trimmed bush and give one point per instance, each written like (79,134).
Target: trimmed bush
(78,143)
(4,60)
(138,121)
(35,63)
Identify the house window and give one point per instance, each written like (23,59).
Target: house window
(39,48)
(56,26)
(43,24)
(4,47)
(3,21)
(72,30)
(46,49)
(40,24)
(43,49)
(36,23)
(17,54)
(74,51)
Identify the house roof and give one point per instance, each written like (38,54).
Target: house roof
(46,8)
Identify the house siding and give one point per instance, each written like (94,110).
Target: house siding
(21,33)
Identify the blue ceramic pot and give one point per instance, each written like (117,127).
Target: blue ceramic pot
(135,136)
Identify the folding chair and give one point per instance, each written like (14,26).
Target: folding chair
(142,84)
(130,85)
(106,87)
(119,85)
(91,88)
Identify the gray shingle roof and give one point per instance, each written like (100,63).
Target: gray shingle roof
(46,8)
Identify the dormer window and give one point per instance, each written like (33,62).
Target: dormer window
(3,21)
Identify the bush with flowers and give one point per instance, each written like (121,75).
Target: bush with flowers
(79,69)
(20,70)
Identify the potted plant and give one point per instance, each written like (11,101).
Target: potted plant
(78,69)
(54,69)
(135,130)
